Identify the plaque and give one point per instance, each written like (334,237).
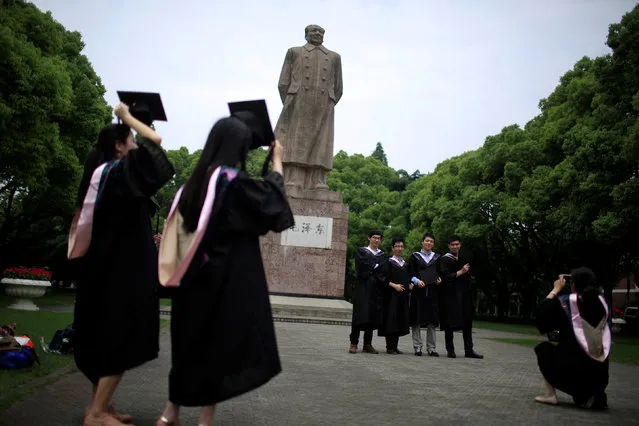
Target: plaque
(309,231)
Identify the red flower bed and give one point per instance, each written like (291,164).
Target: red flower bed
(21,272)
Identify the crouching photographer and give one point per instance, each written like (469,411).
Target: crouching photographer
(578,363)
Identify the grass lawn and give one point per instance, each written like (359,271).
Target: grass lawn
(14,384)
(522,342)
(624,350)
(508,328)
(33,324)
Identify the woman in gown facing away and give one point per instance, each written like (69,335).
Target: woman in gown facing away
(222,335)
(578,364)
(116,314)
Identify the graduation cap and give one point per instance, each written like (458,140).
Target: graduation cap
(146,107)
(255,115)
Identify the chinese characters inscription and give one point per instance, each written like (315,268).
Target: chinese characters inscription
(309,231)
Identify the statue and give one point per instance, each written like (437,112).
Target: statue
(310,86)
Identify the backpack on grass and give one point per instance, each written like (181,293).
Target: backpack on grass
(17,352)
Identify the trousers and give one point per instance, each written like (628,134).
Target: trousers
(430,338)
(468,339)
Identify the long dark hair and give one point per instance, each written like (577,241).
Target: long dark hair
(585,285)
(227,145)
(103,151)
(585,282)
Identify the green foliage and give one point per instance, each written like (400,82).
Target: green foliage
(184,163)
(526,203)
(374,194)
(379,154)
(51,109)
(531,200)
(255,162)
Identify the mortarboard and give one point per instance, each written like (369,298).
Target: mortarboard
(146,107)
(255,115)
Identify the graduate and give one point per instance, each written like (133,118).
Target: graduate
(116,314)
(371,267)
(578,364)
(456,307)
(424,296)
(395,299)
(222,335)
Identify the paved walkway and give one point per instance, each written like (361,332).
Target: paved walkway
(324,385)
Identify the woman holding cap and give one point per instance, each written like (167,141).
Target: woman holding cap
(117,310)
(222,334)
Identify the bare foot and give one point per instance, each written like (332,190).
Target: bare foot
(104,419)
(547,399)
(124,418)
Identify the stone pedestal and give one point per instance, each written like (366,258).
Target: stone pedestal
(25,290)
(310,258)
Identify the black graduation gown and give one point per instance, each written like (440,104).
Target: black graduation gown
(424,302)
(222,333)
(367,303)
(394,303)
(565,365)
(455,302)
(116,314)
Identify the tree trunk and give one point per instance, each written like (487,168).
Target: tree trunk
(502,298)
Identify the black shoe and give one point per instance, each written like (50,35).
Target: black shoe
(452,355)
(418,353)
(433,353)
(473,354)
(392,351)
(398,352)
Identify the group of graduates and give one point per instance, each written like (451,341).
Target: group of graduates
(222,342)
(393,295)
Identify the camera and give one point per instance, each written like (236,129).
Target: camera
(553,336)
(567,277)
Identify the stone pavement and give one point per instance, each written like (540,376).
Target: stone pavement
(324,385)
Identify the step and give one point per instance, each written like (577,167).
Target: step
(306,307)
(311,320)
(312,311)
(288,312)
(166,311)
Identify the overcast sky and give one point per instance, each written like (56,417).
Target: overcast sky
(428,79)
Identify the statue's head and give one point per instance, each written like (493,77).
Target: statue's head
(314,34)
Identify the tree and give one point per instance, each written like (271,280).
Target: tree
(561,192)
(51,109)
(184,163)
(368,188)
(255,162)
(379,154)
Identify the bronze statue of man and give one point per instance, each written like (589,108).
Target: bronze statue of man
(310,86)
